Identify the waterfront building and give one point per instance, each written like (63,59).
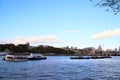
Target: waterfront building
(79,52)
(99,50)
(119,49)
(89,51)
(116,50)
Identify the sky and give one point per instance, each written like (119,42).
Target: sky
(58,23)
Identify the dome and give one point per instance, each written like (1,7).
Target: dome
(100,48)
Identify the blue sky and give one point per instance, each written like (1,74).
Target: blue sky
(58,23)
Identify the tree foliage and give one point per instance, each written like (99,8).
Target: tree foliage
(113,5)
(23,48)
(50,49)
(7,46)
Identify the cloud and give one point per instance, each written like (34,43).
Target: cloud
(106,34)
(32,40)
(69,31)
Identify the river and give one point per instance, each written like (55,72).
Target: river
(61,68)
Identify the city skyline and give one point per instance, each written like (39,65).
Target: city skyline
(58,23)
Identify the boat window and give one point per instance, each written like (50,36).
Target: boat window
(10,57)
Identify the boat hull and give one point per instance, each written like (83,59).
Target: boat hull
(15,58)
(89,57)
(36,56)
(79,57)
(41,58)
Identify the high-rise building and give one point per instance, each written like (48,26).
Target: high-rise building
(119,49)
(115,49)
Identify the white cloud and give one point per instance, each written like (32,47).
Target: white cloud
(106,34)
(69,31)
(32,40)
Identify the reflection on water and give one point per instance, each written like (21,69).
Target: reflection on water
(61,68)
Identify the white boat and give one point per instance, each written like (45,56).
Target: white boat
(36,56)
(15,58)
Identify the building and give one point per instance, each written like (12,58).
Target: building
(99,50)
(119,49)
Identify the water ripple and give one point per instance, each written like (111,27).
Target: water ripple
(61,68)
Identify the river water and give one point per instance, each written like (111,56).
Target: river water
(61,68)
